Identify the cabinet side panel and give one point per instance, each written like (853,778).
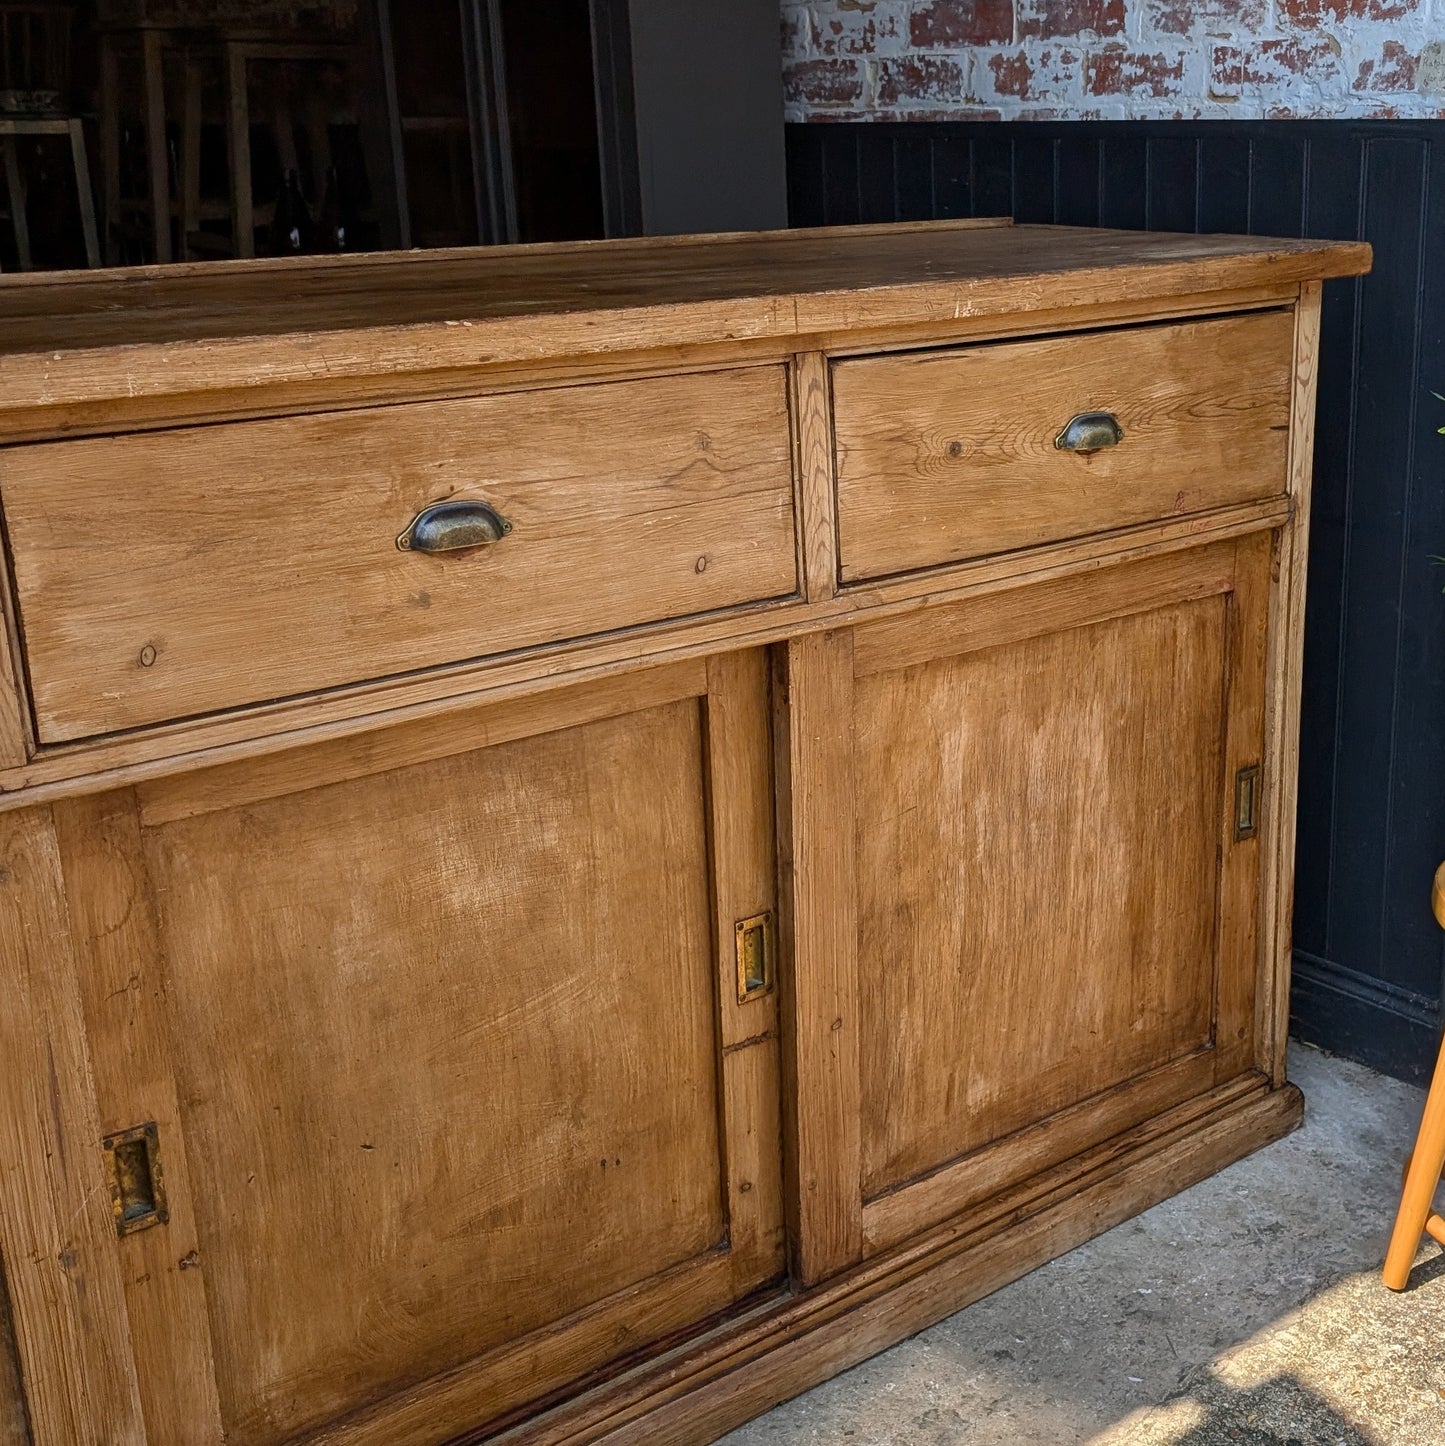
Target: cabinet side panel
(1282,707)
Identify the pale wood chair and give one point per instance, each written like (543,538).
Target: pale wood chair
(35,44)
(12,127)
(1417,1215)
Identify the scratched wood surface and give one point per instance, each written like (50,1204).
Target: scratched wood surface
(455,1114)
(407,911)
(266,564)
(948,455)
(100,347)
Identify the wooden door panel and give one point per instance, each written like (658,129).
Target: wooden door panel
(1056,925)
(456,1097)
(1036,857)
(494,1030)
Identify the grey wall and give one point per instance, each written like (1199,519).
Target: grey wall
(708,96)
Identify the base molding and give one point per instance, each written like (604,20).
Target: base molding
(1364,1018)
(713,1384)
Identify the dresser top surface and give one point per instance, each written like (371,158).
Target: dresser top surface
(775,283)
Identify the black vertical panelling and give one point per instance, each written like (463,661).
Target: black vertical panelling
(807,157)
(913,177)
(875,175)
(952,177)
(1372,749)
(1332,211)
(1124,182)
(1278,166)
(993,173)
(1223,184)
(1417,815)
(1173,183)
(1077,188)
(1034,179)
(840,179)
(1379,461)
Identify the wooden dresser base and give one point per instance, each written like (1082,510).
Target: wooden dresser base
(790,1343)
(590,836)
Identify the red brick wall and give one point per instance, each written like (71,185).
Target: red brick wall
(1113,59)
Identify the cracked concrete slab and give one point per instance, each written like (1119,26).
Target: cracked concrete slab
(1249,1310)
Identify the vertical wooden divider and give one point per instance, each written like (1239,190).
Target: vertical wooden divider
(745,886)
(123,995)
(815,493)
(821,1105)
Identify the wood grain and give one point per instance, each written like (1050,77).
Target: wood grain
(1286,666)
(1036,861)
(122,981)
(186,330)
(812,403)
(789,1345)
(470,374)
(14,1419)
(423,1138)
(1240,974)
(898,1216)
(57,1238)
(949,455)
(822,1023)
(745,884)
(255,732)
(407,909)
(1054,604)
(184,795)
(629,503)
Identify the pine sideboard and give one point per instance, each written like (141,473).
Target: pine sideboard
(591,834)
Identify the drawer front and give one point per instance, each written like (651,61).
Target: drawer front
(177,573)
(944,456)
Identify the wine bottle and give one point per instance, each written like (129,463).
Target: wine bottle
(291,233)
(334,232)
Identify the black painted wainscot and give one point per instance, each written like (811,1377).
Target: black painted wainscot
(1368,956)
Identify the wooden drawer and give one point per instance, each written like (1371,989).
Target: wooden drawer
(177,573)
(949,455)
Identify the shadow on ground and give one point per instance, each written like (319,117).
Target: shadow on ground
(1249,1304)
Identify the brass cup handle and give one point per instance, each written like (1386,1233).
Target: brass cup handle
(1090,431)
(453,527)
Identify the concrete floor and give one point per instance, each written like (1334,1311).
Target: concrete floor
(1246,1310)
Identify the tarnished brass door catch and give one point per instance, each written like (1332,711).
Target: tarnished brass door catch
(755,956)
(137,1192)
(1246,802)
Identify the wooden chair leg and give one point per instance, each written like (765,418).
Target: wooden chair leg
(238,125)
(160,171)
(191,153)
(83,192)
(1416,1216)
(110,145)
(15,185)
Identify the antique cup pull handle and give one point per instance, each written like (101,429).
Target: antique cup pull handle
(452,526)
(1090,431)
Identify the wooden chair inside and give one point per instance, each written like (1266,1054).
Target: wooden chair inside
(1417,1216)
(291,92)
(295,94)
